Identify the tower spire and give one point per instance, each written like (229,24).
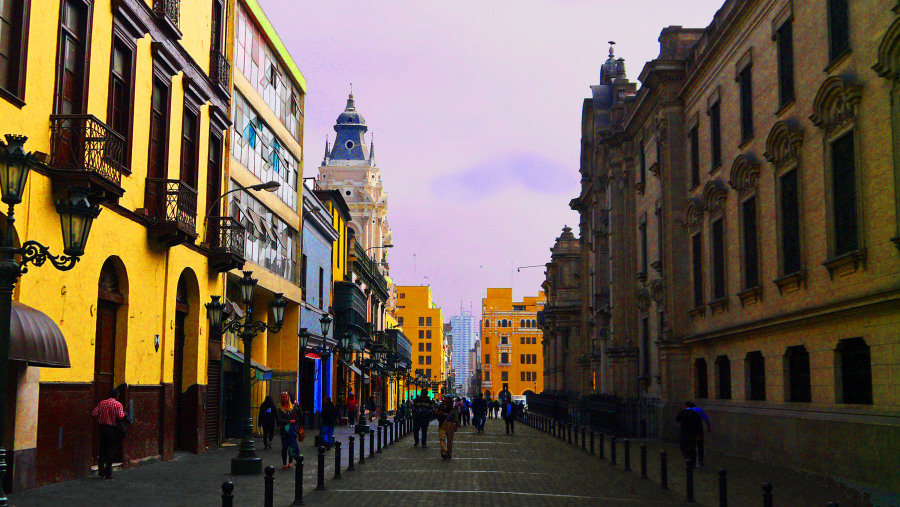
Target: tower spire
(372,148)
(327,150)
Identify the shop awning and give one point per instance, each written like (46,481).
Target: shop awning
(354,369)
(263,372)
(36,339)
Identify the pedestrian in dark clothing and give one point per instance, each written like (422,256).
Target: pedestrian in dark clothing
(423,412)
(266,421)
(508,412)
(705,418)
(108,413)
(448,421)
(290,419)
(479,411)
(329,421)
(372,406)
(465,412)
(691,430)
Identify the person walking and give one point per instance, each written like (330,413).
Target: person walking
(266,421)
(329,421)
(465,412)
(108,413)
(423,409)
(352,407)
(691,431)
(508,413)
(289,418)
(448,419)
(479,411)
(705,419)
(496,406)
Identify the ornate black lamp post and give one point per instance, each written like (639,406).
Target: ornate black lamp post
(76,216)
(246,462)
(323,350)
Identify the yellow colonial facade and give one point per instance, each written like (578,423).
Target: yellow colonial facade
(511,344)
(423,324)
(128,100)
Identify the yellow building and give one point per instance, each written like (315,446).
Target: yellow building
(128,99)
(423,324)
(511,350)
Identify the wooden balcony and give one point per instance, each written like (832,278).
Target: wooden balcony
(85,152)
(226,237)
(171,206)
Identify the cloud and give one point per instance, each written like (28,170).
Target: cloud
(501,173)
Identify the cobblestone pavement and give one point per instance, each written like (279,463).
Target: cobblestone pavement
(528,468)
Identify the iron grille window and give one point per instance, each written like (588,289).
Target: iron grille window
(756,371)
(790,223)
(838,28)
(715,134)
(697,259)
(718,258)
(695,156)
(856,371)
(723,367)
(786,62)
(844,194)
(798,374)
(746,85)
(702,378)
(645,337)
(751,256)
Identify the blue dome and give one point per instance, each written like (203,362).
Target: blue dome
(350,114)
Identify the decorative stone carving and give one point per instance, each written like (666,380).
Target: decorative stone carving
(835,104)
(888,65)
(692,214)
(657,291)
(745,175)
(783,145)
(643,298)
(714,195)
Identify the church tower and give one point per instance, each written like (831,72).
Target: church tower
(349,166)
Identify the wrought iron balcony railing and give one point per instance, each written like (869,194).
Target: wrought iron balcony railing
(170,10)
(172,204)
(82,143)
(219,68)
(226,237)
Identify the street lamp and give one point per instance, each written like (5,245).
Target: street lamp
(76,216)
(246,462)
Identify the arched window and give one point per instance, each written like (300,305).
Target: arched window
(487,323)
(797,362)
(522,323)
(701,382)
(855,371)
(723,377)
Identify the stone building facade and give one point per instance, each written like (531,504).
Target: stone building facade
(747,196)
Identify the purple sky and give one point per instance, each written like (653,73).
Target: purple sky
(476,111)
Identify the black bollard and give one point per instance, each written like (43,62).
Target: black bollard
(663,470)
(592,442)
(602,447)
(320,479)
(689,479)
(612,450)
(723,488)
(298,479)
(378,451)
(362,448)
(371,442)
(643,461)
(627,444)
(767,494)
(583,445)
(269,495)
(350,449)
(227,494)
(337,459)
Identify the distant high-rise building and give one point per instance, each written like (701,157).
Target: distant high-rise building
(464,326)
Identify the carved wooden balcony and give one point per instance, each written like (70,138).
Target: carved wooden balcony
(219,69)
(226,237)
(171,206)
(85,152)
(169,13)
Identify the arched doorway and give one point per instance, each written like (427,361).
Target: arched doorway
(109,337)
(187,400)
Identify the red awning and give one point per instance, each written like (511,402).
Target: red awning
(312,355)
(36,339)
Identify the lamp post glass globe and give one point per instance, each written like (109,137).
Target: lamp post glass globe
(303,335)
(214,310)
(14,167)
(76,215)
(278,305)
(325,322)
(247,285)
(345,341)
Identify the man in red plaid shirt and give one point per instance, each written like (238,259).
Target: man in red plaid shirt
(108,412)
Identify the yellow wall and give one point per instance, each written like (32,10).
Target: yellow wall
(497,306)
(413,303)
(150,271)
